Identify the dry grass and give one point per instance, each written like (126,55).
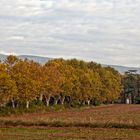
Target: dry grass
(105,122)
(121,116)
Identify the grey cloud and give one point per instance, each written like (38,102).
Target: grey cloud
(106,31)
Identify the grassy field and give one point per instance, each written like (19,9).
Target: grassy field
(100,123)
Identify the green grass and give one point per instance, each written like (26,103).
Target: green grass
(8,111)
(33,133)
(68,134)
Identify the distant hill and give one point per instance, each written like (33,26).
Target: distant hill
(38,59)
(43,60)
(2,57)
(123,69)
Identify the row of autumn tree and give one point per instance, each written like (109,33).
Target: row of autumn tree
(59,81)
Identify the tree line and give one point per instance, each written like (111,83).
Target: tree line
(59,81)
(131,85)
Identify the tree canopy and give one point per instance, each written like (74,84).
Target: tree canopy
(59,81)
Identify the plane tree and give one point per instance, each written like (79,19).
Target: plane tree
(7,86)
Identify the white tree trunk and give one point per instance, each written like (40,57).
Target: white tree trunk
(17,105)
(56,101)
(41,97)
(79,102)
(62,100)
(83,103)
(27,104)
(13,103)
(88,102)
(47,101)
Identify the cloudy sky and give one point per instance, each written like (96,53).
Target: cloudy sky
(105,31)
